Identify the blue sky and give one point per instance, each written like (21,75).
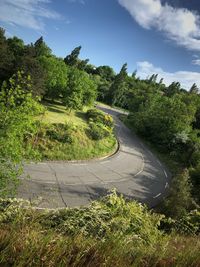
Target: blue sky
(152,36)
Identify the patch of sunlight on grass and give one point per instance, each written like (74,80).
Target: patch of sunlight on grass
(57,113)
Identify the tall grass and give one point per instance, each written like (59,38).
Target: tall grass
(110,232)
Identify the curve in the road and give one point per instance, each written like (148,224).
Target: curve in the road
(134,171)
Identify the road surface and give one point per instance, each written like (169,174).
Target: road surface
(134,171)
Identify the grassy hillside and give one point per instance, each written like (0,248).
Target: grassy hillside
(110,232)
(57,113)
(64,135)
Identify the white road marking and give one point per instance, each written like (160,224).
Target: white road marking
(166,185)
(141,144)
(157,195)
(165,173)
(104,162)
(150,153)
(82,164)
(159,162)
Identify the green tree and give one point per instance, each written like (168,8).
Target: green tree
(81,90)
(179,200)
(41,49)
(55,76)
(197,119)
(31,65)
(17,115)
(16,45)
(172,89)
(194,89)
(162,118)
(195,178)
(106,73)
(90,91)
(6,58)
(72,59)
(152,78)
(118,87)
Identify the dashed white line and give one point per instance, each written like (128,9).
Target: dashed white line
(104,162)
(157,195)
(165,173)
(142,144)
(82,164)
(166,185)
(159,162)
(150,153)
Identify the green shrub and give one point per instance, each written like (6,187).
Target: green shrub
(189,224)
(99,116)
(98,131)
(60,132)
(108,232)
(18,109)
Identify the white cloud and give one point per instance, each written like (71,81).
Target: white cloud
(186,78)
(78,1)
(27,13)
(196,62)
(179,24)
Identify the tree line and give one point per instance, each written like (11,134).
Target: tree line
(51,77)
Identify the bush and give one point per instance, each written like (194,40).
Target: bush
(98,131)
(98,116)
(189,224)
(18,109)
(108,232)
(60,132)
(195,178)
(179,201)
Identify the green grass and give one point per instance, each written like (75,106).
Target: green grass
(110,232)
(78,145)
(57,113)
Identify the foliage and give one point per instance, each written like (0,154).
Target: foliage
(106,73)
(64,136)
(31,66)
(188,224)
(194,89)
(17,112)
(41,49)
(98,116)
(81,90)
(118,86)
(110,232)
(180,193)
(56,76)
(99,131)
(173,89)
(74,61)
(60,132)
(101,124)
(163,118)
(6,58)
(195,178)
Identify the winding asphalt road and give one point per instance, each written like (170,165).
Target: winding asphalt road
(134,171)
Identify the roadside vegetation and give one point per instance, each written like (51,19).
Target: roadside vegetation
(64,135)
(110,232)
(46,113)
